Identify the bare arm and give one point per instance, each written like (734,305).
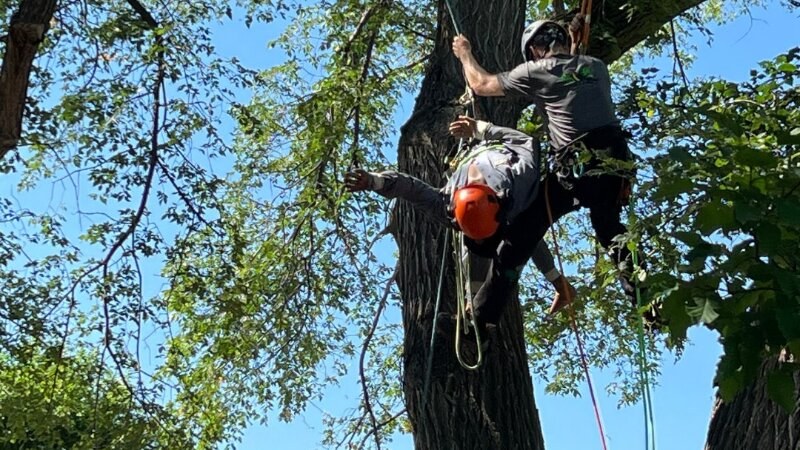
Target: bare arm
(482,82)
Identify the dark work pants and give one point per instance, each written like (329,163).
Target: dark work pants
(603,194)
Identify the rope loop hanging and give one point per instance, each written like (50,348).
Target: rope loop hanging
(463,296)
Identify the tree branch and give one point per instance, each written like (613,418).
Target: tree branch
(144,14)
(28,26)
(364,348)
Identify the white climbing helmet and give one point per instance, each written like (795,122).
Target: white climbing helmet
(555,34)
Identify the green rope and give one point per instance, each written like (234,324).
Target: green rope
(647,401)
(429,366)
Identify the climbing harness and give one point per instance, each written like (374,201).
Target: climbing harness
(567,163)
(462,157)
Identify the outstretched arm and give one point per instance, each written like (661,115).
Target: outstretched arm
(482,82)
(392,184)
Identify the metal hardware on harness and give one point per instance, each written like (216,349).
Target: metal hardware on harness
(467,98)
(567,165)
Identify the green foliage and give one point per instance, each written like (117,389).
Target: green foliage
(166,282)
(74,403)
(724,191)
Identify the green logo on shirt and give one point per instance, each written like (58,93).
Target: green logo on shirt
(584,73)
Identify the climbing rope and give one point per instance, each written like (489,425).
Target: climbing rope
(452,16)
(647,401)
(644,384)
(573,320)
(586,10)
(463,289)
(429,365)
(463,296)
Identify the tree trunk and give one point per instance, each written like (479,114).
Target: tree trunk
(493,407)
(754,422)
(28,26)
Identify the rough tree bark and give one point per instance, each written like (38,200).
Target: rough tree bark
(27,28)
(491,408)
(754,422)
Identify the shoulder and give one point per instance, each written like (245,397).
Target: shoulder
(596,62)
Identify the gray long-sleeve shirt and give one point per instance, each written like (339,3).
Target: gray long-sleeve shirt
(508,162)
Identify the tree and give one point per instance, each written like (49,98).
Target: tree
(26,31)
(269,274)
(51,403)
(727,187)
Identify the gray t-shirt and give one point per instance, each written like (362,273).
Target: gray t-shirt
(571,93)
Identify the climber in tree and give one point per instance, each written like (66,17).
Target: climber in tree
(589,157)
(492,184)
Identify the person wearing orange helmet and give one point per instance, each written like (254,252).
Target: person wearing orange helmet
(491,185)
(572,95)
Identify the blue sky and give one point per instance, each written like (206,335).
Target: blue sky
(684,395)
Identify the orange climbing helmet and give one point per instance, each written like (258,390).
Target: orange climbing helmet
(476,210)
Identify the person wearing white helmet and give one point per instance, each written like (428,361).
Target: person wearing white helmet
(572,94)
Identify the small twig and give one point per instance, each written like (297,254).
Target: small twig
(408,66)
(381,425)
(364,349)
(365,16)
(186,200)
(678,59)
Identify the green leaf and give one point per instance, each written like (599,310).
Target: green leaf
(788,318)
(790,138)
(726,121)
(673,188)
(794,347)
(787,67)
(729,385)
(746,212)
(688,238)
(680,154)
(781,389)
(788,211)
(674,312)
(715,216)
(705,311)
(753,158)
(769,238)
